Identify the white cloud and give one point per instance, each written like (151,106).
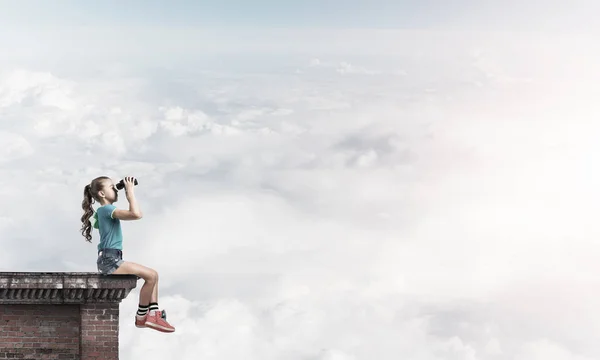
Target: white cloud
(180,121)
(343,67)
(347,68)
(444,214)
(21,86)
(546,350)
(14,146)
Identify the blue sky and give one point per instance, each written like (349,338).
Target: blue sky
(374,13)
(535,14)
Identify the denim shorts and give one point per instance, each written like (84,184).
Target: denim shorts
(109,260)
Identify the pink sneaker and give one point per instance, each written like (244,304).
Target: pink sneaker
(140,321)
(157,320)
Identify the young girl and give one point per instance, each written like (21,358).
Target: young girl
(107,219)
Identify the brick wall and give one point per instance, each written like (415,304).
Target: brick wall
(99,331)
(62,316)
(39,332)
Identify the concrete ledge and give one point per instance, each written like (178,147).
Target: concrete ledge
(64,288)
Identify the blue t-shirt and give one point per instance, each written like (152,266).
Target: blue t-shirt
(111,236)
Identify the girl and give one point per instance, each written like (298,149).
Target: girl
(107,219)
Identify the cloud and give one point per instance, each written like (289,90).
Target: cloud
(544,349)
(443,214)
(23,86)
(343,67)
(179,121)
(14,147)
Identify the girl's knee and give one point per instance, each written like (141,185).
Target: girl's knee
(153,276)
(150,275)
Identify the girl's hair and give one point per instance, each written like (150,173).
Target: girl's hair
(90,193)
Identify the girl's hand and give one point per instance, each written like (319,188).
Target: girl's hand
(128,181)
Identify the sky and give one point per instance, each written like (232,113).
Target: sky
(509,14)
(365,181)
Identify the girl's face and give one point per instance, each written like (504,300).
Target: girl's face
(110,191)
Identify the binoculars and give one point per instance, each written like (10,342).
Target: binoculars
(121,184)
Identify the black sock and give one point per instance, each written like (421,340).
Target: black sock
(153,306)
(142,309)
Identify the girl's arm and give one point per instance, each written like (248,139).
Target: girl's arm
(134,212)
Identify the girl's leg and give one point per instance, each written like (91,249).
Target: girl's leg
(148,294)
(149,275)
(154,296)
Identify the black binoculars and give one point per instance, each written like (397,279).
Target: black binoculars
(121,184)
